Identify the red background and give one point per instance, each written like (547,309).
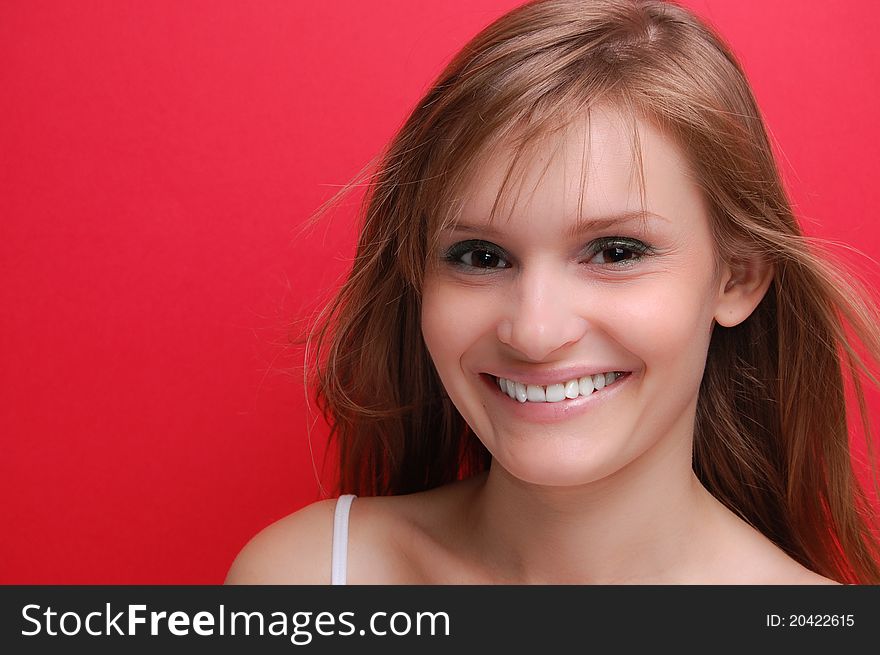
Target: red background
(155,160)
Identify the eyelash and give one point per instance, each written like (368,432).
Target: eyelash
(456,252)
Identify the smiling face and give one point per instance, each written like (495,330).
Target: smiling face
(543,295)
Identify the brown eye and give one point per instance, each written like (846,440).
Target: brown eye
(618,253)
(476,255)
(481,259)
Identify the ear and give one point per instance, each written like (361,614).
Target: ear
(742,286)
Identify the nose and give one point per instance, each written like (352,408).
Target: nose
(544,317)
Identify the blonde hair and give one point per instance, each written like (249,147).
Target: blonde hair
(771,440)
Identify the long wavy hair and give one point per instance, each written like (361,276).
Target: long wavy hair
(771,437)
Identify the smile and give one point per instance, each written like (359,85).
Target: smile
(555,393)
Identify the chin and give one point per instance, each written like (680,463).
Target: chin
(549,471)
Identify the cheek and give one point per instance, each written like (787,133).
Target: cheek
(668,326)
(450,323)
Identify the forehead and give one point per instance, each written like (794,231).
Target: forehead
(603,164)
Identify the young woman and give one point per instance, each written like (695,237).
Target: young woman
(584,339)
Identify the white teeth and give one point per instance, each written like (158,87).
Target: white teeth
(536,394)
(554,393)
(585,385)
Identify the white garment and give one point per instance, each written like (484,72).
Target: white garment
(339,557)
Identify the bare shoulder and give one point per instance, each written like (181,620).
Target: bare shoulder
(754,559)
(391,540)
(773,566)
(411,539)
(297,549)
(808,577)
(793,573)
(738,553)
(293,550)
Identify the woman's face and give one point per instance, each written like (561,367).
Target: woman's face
(542,299)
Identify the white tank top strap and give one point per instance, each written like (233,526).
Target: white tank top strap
(339,561)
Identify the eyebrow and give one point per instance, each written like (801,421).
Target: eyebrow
(580,227)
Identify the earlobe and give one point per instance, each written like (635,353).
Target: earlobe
(743,286)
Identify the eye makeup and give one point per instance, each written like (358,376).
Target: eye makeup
(480,256)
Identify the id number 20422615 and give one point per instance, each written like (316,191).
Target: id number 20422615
(810,620)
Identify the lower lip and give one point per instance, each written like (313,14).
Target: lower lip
(553,412)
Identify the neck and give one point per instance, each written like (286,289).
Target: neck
(649,523)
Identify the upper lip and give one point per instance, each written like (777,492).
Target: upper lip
(553,376)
